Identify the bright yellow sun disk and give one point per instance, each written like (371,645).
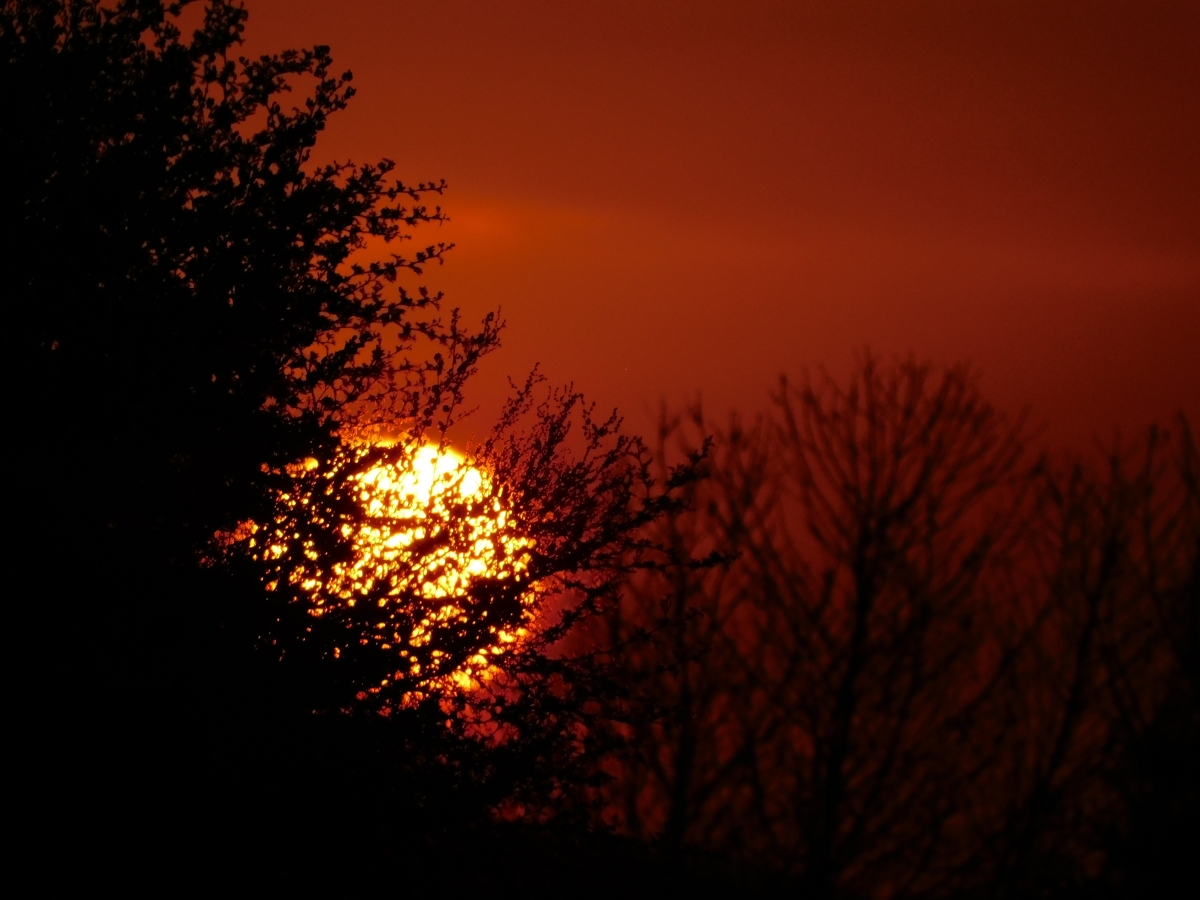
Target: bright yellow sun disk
(433,494)
(430,469)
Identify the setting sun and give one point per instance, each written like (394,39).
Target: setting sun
(425,531)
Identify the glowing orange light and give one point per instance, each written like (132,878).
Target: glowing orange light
(429,528)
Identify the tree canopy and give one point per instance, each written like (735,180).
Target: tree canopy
(211,324)
(179,268)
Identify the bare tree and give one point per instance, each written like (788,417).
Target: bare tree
(691,713)
(819,687)
(922,661)
(906,487)
(1106,653)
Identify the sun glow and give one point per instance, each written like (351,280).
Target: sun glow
(418,555)
(404,507)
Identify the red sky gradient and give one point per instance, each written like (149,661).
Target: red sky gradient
(672,199)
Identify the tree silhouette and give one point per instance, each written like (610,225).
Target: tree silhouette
(868,520)
(1104,675)
(689,712)
(198,308)
(195,306)
(927,663)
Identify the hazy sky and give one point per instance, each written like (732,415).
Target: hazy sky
(673,199)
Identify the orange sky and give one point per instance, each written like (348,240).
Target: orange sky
(680,198)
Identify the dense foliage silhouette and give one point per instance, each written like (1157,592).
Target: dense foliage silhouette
(198,308)
(179,284)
